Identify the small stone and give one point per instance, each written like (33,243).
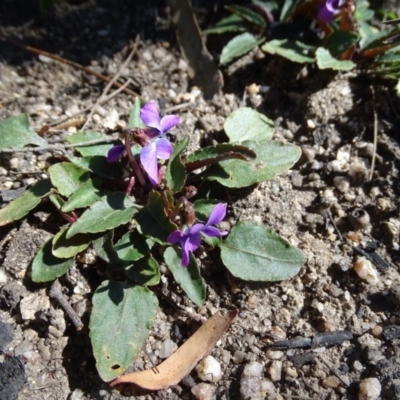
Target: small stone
(370,389)
(311,124)
(32,304)
(203,391)
(357,366)
(366,271)
(377,330)
(77,394)
(278,333)
(275,370)
(238,356)
(3,275)
(209,369)
(168,346)
(341,183)
(253,368)
(331,381)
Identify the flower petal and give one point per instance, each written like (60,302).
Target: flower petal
(217,214)
(213,232)
(148,159)
(150,115)
(115,153)
(164,148)
(168,122)
(196,228)
(185,255)
(193,241)
(175,237)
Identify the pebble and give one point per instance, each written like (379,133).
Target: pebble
(238,356)
(366,271)
(370,389)
(275,370)
(251,382)
(3,275)
(331,381)
(341,183)
(77,394)
(203,391)
(32,304)
(209,369)
(168,346)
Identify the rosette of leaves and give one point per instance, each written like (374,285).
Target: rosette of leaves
(128,227)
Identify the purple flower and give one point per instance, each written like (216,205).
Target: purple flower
(158,147)
(115,153)
(329,10)
(190,237)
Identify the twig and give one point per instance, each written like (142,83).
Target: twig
(62,60)
(113,80)
(56,294)
(371,172)
(180,106)
(57,146)
(105,100)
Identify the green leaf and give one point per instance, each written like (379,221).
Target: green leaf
(233,23)
(188,278)
(213,152)
(176,172)
(132,246)
(120,321)
(108,213)
(104,248)
(248,15)
(145,272)
(363,12)
(99,166)
(67,177)
(273,158)
(239,46)
(287,10)
(326,61)
(17,132)
(203,208)
(153,221)
(248,124)
(338,42)
(19,207)
(293,50)
(255,253)
(92,149)
(47,267)
(67,248)
(134,117)
(85,195)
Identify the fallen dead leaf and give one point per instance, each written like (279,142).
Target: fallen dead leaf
(175,368)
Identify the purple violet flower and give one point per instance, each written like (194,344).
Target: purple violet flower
(329,10)
(190,237)
(157,147)
(115,153)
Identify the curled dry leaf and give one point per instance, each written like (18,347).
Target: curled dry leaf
(175,368)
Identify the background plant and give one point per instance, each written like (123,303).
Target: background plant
(130,216)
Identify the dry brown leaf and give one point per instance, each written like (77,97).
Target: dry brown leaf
(175,368)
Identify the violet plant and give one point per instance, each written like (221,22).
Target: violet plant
(147,202)
(334,34)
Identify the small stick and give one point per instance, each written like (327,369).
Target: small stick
(56,294)
(371,172)
(113,80)
(62,60)
(56,147)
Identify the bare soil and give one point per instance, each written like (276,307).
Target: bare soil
(316,206)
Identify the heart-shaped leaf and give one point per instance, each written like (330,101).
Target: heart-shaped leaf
(17,132)
(120,321)
(67,177)
(153,221)
(144,272)
(238,46)
(188,278)
(176,172)
(248,124)
(91,149)
(109,212)
(86,194)
(19,207)
(47,267)
(253,252)
(293,50)
(132,246)
(326,61)
(99,166)
(67,248)
(272,159)
(338,42)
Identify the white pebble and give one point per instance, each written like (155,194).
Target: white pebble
(275,370)
(167,348)
(3,275)
(365,270)
(341,183)
(32,304)
(203,391)
(311,124)
(370,389)
(253,368)
(238,357)
(209,369)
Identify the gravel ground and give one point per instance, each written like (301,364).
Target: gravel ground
(327,205)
